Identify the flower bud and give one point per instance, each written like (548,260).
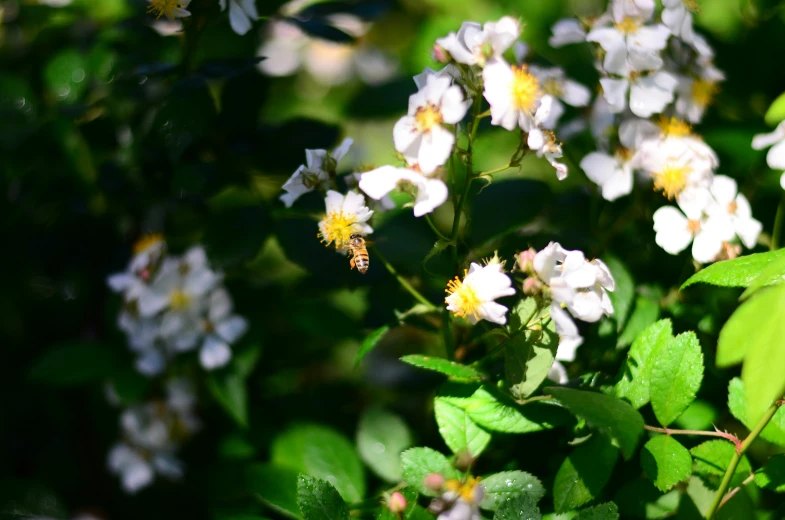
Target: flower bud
(532,286)
(440,54)
(434,481)
(526,260)
(397,503)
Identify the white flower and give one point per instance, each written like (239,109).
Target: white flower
(693,96)
(515,96)
(554,83)
(419,135)
(544,143)
(776,155)
(677,17)
(221,328)
(282,49)
(630,46)
(473,297)
(569,337)
(640,9)
(568,30)
(135,472)
(557,373)
(319,167)
(732,204)
(449,71)
(431,193)
(475,44)
(649,94)
(676,229)
(241,14)
(613,173)
(179,286)
(463,499)
(148,252)
(346,215)
(170,8)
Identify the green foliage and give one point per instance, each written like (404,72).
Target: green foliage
(737,404)
(74,364)
(607,511)
(644,313)
(418,463)
(776,111)
(381,437)
(623,296)
(584,473)
(319,500)
(449,368)
(635,376)
(527,359)
(370,342)
(640,499)
(275,486)
(739,272)
(676,377)
(713,457)
(665,461)
(506,486)
(520,507)
(459,432)
(772,474)
(620,420)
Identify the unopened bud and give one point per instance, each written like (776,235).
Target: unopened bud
(440,54)
(526,260)
(434,481)
(397,503)
(532,286)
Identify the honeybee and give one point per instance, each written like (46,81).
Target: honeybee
(359,252)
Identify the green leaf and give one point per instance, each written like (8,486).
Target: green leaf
(607,511)
(381,437)
(739,272)
(319,500)
(323,453)
(418,463)
(623,423)
(584,473)
(275,486)
(737,404)
(370,342)
(645,312)
(635,375)
(230,392)
(527,359)
(665,461)
(712,459)
(622,297)
(772,475)
(771,275)
(459,432)
(65,76)
(700,415)
(74,364)
(676,377)
(776,111)
(640,499)
(521,507)
(449,368)
(502,487)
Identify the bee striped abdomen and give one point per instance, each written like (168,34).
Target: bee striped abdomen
(359,253)
(361,260)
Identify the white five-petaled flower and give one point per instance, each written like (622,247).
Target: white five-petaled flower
(462,500)
(241,14)
(648,94)
(419,135)
(677,17)
(630,46)
(319,167)
(776,155)
(475,44)
(515,96)
(554,82)
(171,9)
(641,9)
(565,31)
(612,173)
(728,202)
(345,216)
(694,95)
(221,329)
(473,297)
(545,144)
(431,192)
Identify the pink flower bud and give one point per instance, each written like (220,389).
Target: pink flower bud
(526,261)
(532,286)
(440,54)
(397,503)
(434,481)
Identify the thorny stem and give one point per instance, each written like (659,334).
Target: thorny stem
(401,280)
(778,221)
(669,431)
(734,461)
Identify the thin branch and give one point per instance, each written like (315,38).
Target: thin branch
(401,280)
(669,431)
(736,490)
(434,228)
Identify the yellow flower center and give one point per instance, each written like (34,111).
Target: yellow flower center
(164,7)
(427,117)
(732,207)
(147,241)
(628,25)
(623,154)
(671,179)
(525,89)
(693,226)
(463,298)
(179,300)
(464,489)
(703,91)
(336,227)
(671,126)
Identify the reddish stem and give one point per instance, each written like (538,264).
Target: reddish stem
(725,435)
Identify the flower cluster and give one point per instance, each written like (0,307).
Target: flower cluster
(459,499)
(151,435)
(173,305)
(776,155)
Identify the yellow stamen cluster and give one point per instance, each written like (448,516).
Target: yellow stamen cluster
(164,7)
(463,298)
(628,25)
(672,126)
(179,300)
(732,207)
(525,89)
(672,179)
(428,117)
(693,226)
(336,227)
(703,91)
(464,489)
(147,241)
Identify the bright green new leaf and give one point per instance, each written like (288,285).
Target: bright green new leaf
(528,357)
(712,459)
(772,475)
(381,437)
(635,375)
(618,419)
(521,507)
(776,111)
(665,461)
(459,432)
(323,453)
(370,342)
(700,415)
(676,377)
(737,404)
(607,511)
(230,392)
(584,473)
(449,368)
(418,463)
(319,500)
(74,364)
(624,294)
(739,272)
(644,314)
(275,486)
(770,275)
(507,485)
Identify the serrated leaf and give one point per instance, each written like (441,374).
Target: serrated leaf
(275,486)
(319,500)
(644,313)
(528,358)
(443,366)
(622,297)
(676,377)
(622,422)
(774,273)
(737,404)
(712,459)
(635,375)
(381,438)
(776,111)
(772,474)
(74,364)
(584,473)
(607,511)
(521,507)
(665,461)
(459,432)
(370,342)
(739,272)
(507,485)
(418,463)
(323,453)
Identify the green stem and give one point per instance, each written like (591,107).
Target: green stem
(434,228)
(449,347)
(497,170)
(734,462)
(401,280)
(778,221)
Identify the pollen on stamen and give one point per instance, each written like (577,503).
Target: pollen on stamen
(148,241)
(336,228)
(427,117)
(163,8)
(671,180)
(462,298)
(525,89)
(703,91)
(693,226)
(672,126)
(628,25)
